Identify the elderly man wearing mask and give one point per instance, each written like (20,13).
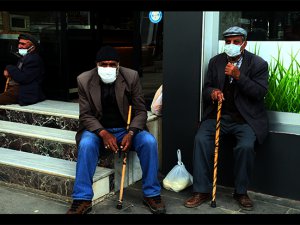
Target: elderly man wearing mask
(239,79)
(24,80)
(105,94)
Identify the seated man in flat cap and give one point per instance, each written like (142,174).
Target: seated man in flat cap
(105,95)
(24,80)
(239,80)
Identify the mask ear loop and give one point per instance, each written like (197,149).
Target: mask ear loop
(30,48)
(117,69)
(244,41)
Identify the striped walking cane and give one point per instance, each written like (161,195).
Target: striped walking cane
(213,202)
(120,201)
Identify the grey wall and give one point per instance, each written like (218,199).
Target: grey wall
(277,166)
(181,69)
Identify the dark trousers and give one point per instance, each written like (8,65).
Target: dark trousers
(204,147)
(10,96)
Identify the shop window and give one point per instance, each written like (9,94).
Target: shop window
(275,36)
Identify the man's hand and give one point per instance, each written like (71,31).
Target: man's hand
(6,74)
(233,71)
(109,141)
(126,142)
(217,94)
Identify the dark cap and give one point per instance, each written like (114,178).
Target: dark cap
(30,38)
(107,53)
(235,31)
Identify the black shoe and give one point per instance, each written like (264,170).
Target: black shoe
(155,204)
(80,207)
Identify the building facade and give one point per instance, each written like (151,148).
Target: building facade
(176,52)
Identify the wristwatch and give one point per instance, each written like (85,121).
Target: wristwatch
(131,132)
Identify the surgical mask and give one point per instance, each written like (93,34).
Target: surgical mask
(232,50)
(23,51)
(107,74)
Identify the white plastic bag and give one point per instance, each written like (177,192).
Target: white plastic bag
(178,178)
(156,105)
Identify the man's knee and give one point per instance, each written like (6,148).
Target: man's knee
(200,138)
(88,141)
(245,147)
(145,136)
(149,140)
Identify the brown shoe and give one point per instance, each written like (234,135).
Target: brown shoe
(80,207)
(244,201)
(197,199)
(155,204)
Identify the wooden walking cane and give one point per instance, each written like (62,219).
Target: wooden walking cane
(213,202)
(120,201)
(6,84)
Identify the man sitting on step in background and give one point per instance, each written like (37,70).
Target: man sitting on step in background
(105,93)
(24,80)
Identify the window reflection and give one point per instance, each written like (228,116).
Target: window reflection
(264,25)
(69,41)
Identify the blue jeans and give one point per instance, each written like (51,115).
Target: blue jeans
(90,148)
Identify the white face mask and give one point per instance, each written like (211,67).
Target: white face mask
(232,50)
(107,74)
(23,51)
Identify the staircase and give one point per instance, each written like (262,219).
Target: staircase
(38,151)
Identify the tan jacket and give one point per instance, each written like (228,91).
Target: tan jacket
(90,108)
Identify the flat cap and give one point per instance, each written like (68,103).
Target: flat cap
(29,37)
(235,31)
(107,53)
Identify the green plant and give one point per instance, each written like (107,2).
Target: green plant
(284,85)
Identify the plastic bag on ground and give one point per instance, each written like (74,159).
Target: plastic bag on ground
(178,178)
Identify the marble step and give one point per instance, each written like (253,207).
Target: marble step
(39,140)
(47,175)
(61,144)
(48,113)
(48,128)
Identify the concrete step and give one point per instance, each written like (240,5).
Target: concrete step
(61,144)
(48,128)
(48,175)
(48,113)
(39,140)
(60,115)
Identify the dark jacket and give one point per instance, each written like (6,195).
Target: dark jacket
(29,73)
(250,90)
(90,108)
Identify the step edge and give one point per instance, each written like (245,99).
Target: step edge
(34,109)
(100,173)
(29,127)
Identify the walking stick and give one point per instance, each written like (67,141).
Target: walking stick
(6,84)
(120,201)
(213,202)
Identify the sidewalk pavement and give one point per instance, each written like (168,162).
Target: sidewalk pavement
(19,201)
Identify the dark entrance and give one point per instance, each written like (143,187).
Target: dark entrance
(70,47)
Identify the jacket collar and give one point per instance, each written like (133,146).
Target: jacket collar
(95,89)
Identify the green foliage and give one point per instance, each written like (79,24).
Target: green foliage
(284,92)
